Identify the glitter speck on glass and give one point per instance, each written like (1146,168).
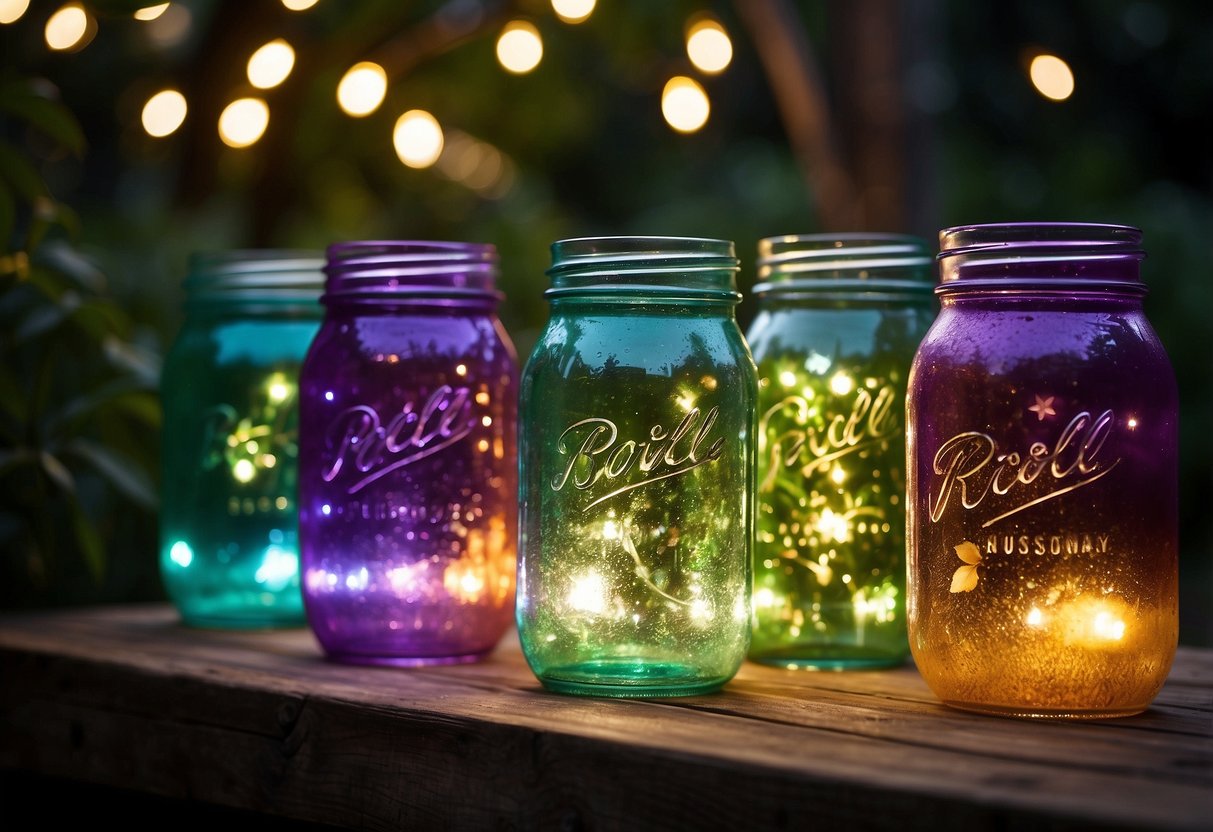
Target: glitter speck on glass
(838,321)
(1042,488)
(636,443)
(408,486)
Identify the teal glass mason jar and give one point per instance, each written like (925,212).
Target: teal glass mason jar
(229,549)
(838,320)
(636,447)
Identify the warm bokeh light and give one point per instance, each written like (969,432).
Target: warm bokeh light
(11,10)
(519,47)
(684,104)
(418,139)
(163,113)
(170,28)
(477,165)
(299,5)
(573,11)
(1052,77)
(151,12)
(69,28)
(243,122)
(362,89)
(271,64)
(709,47)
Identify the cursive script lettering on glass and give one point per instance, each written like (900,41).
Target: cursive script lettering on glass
(871,420)
(972,468)
(362,442)
(600,456)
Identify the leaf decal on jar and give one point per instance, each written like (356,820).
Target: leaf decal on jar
(965,577)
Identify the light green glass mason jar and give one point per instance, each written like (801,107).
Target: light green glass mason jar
(839,318)
(636,445)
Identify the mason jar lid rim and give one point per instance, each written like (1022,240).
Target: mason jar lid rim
(824,282)
(254,269)
(641,254)
(792,263)
(387,247)
(1029,237)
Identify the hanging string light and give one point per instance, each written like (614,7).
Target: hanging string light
(418,139)
(362,89)
(574,11)
(519,47)
(299,5)
(12,10)
(270,65)
(684,103)
(709,46)
(163,113)
(151,12)
(70,29)
(243,122)
(1052,77)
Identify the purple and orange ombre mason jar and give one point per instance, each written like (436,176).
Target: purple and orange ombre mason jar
(1041,441)
(407,460)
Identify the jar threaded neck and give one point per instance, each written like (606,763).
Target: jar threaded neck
(688,268)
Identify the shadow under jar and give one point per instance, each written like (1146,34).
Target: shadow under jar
(408,466)
(1042,491)
(637,465)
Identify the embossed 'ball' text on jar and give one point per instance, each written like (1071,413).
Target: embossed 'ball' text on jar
(1042,490)
(839,318)
(407,456)
(636,444)
(228,513)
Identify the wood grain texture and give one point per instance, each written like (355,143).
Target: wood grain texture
(126,697)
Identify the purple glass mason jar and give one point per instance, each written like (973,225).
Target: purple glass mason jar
(407,458)
(1041,446)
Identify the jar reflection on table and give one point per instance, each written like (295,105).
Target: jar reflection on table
(228,512)
(839,318)
(408,460)
(636,445)
(1043,511)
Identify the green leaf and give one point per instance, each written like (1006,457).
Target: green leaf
(19,172)
(140,362)
(123,472)
(58,472)
(72,264)
(127,393)
(45,318)
(22,99)
(89,540)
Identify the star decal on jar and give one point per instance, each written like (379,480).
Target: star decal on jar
(1043,408)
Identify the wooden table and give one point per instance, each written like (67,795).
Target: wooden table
(125,697)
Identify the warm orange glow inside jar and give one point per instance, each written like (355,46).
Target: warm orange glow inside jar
(1041,444)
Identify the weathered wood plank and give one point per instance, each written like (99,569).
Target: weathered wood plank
(125,697)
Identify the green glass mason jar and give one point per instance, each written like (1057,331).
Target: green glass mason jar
(229,549)
(636,446)
(839,318)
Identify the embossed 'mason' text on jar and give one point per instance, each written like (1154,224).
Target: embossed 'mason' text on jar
(1042,492)
(637,466)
